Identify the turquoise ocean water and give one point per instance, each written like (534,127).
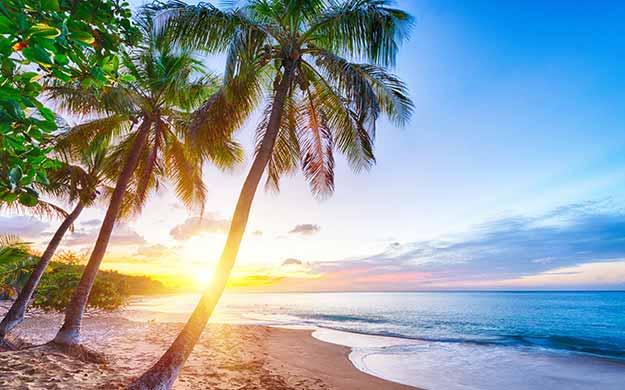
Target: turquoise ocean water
(448,340)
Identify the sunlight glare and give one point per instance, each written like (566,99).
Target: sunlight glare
(204,277)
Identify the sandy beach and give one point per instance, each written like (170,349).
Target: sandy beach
(227,357)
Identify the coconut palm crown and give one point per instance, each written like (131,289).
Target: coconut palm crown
(162,86)
(336,55)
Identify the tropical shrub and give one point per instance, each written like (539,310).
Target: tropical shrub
(15,264)
(111,289)
(57,285)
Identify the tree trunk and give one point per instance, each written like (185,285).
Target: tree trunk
(69,334)
(15,315)
(163,374)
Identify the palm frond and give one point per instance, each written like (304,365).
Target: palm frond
(112,166)
(131,206)
(7,240)
(202,26)
(79,137)
(367,29)
(190,95)
(299,13)
(81,172)
(77,100)
(352,135)
(149,165)
(317,146)
(42,209)
(15,259)
(185,170)
(247,48)
(226,111)
(371,88)
(285,156)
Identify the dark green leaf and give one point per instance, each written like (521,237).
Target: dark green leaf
(6,26)
(27,199)
(61,59)
(36,54)
(15,174)
(50,5)
(8,196)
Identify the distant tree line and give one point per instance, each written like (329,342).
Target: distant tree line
(111,289)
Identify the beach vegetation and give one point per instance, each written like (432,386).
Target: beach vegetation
(15,262)
(111,289)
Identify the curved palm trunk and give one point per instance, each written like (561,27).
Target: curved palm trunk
(69,334)
(15,315)
(163,374)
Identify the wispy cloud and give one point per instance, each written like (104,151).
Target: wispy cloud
(26,227)
(196,225)
(292,262)
(122,235)
(92,222)
(519,246)
(540,249)
(306,229)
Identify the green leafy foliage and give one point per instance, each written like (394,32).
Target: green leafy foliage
(15,264)
(57,285)
(43,41)
(111,289)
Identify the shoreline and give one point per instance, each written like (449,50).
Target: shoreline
(228,356)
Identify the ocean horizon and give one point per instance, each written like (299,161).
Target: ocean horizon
(449,340)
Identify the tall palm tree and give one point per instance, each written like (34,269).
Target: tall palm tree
(79,180)
(148,116)
(319,100)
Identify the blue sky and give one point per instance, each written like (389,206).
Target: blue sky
(520,113)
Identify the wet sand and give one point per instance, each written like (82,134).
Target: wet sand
(227,357)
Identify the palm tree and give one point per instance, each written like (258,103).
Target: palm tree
(319,100)
(147,115)
(79,183)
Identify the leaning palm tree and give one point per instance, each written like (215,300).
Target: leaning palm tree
(148,116)
(319,99)
(79,180)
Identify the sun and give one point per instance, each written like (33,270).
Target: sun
(203,277)
(200,258)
